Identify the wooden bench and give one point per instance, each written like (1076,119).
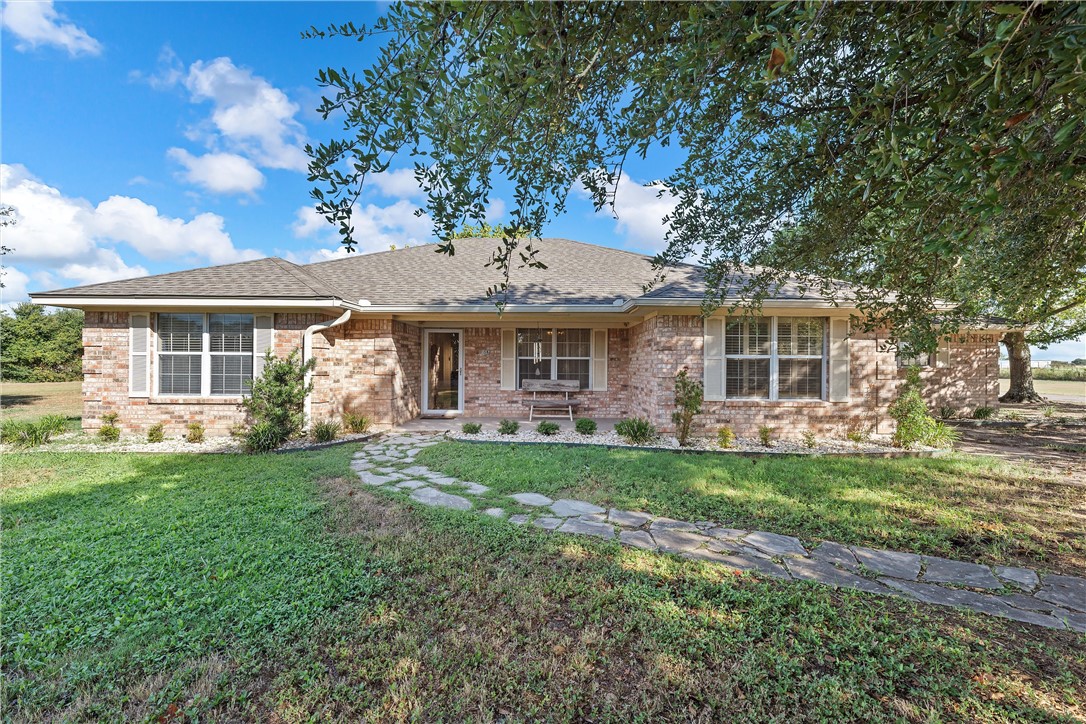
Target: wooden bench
(554,406)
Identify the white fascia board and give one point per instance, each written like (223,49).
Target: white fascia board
(82,302)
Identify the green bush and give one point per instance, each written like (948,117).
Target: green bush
(947,412)
(508,427)
(547,428)
(156,432)
(688,398)
(325,431)
(809,440)
(109,432)
(915,425)
(196,432)
(725,437)
(856,432)
(238,431)
(356,423)
(636,430)
(278,395)
(264,437)
(983,413)
(765,435)
(942,435)
(27,433)
(585,426)
(471,428)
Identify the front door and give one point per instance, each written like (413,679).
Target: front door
(443,383)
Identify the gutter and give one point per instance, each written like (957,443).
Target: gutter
(307,354)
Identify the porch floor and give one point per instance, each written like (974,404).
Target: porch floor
(443,424)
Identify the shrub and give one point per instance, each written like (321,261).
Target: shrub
(156,432)
(856,432)
(765,435)
(547,428)
(688,398)
(471,428)
(28,433)
(725,437)
(109,432)
(325,431)
(278,395)
(636,430)
(264,437)
(983,413)
(915,426)
(508,427)
(238,431)
(942,435)
(585,426)
(809,440)
(356,422)
(947,412)
(10,430)
(196,432)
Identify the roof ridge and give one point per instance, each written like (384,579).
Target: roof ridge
(306,277)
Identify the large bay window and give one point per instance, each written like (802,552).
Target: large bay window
(205,354)
(554,354)
(767,358)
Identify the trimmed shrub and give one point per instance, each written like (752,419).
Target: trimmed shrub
(688,398)
(765,435)
(278,395)
(356,423)
(471,428)
(915,426)
(983,413)
(196,432)
(725,437)
(325,431)
(547,428)
(585,426)
(636,430)
(508,427)
(264,437)
(156,432)
(809,440)
(109,432)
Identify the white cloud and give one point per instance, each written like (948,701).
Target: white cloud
(639,212)
(37,22)
(223,173)
(14,291)
(495,211)
(106,266)
(376,228)
(398,184)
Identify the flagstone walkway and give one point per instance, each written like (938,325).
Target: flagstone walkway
(1020,594)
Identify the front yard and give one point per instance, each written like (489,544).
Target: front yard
(279,587)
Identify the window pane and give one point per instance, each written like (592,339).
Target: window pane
(231,332)
(800,378)
(534,343)
(574,343)
(747,378)
(231,374)
(529,369)
(799,335)
(574,369)
(179,374)
(747,336)
(180,332)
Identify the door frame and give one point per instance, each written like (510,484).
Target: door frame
(426,411)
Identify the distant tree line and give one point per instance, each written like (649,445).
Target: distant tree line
(39,346)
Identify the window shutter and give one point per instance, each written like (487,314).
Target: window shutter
(839,372)
(139,358)
(599,360)
(713,350)
(263,339)
(509,359)
(942,356)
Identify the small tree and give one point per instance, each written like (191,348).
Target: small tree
(915,425)
(688,397)
(278,395)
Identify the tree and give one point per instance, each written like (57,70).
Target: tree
(7,218)
(914,148)
(36,346)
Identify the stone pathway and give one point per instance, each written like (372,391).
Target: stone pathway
(1019,594)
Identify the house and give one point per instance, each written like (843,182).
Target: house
(410,332)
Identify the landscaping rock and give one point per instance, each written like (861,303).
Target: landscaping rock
(774,544)
(835,553)
(533,499)
(430,496)
(732,534)
(889,563)
(751,563)
(411,485)
(628,518)
(677,541)
(370,478)
(585,527)
(474,488)
(672,524)
(1022,578)
(518,519)
(495,512)
(1071,619)
(820,571)
(418,471)
(974,575)
(566,507)
(547,523)
(439,479)
(1066,591)
(637,539)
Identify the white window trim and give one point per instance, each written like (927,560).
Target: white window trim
(554,354)
(774,363)
(205,354)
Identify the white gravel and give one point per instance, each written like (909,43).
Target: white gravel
(81,442)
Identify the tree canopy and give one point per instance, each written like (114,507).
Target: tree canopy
(928,150)
(36,346)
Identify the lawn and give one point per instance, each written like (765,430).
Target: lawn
(31,400)
(277,587)
(960,506)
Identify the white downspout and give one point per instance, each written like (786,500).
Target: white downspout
(307,354)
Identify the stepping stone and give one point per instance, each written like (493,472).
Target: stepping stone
(533,499)
(836,553)
(495,512)
(385,458)
(733,534)
(429,496)
(438,479)
(806,569)
(474,488)
(973,575)
(547,523)
(637,539)
(750,563)
(774,544)
(417,470)
(374,479)
(566,507)
(1029,603)
(411,485)
(677,541)
(1022,578)
(979,602)
(889,563)
(1066,591)
(585,527)
(706,524)
(518,519)
(672,524)
(628,518)
(1071,619)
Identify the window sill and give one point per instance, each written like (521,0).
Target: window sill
(196,400)
(791,402)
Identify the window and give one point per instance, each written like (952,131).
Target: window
(915,360)
(554,354)
(800,341)
(766,358)
(205,354)
(747,353)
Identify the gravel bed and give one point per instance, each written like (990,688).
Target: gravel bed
(80,442)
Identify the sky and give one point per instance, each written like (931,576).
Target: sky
(145,137)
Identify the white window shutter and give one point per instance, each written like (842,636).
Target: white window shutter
(599,360)
(839,370)
(139,357)
(263,339)
(509,359)
(713,351)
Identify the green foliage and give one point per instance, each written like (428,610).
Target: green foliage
(356,423)
(585,426)
(156,432)
(1048,411)
(809,440)
(765,435)
(943,435)
(31,433)
(278,395)
(264,437)
(38,346)
(725,437)
(471,428)
(508,427)
(983,413)
(636,430)
(948,412)
(688,398)
(238,431)
(915,426)
(547,427)
(109,432)
(195,433)
(325,431)
(857,432)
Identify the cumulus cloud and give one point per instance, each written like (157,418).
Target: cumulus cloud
(377,228)
(398,184)
(106,266)
(223,173)
(639,212)
(36,23)
(15,287)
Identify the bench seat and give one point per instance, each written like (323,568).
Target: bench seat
(565,404)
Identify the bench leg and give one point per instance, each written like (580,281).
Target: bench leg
(571,413)
(531,411)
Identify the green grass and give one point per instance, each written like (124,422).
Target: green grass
(269,588)
(963,507)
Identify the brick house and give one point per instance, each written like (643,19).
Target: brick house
(408,333)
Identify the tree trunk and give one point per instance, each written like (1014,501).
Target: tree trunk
(1021,371)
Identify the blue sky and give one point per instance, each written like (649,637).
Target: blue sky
(149,137)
